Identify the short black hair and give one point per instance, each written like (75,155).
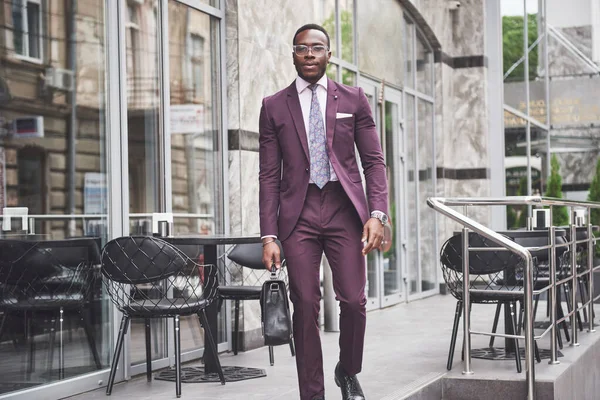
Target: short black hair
(312,26)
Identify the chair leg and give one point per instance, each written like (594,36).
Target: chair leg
(31,338)
(514,329)
(457,314)
(177,358)
(495,324)
(90,338)
(271,356)
(117,354)
(292,349)
(559,315)
(521,317)
(567,288)
(583,297)
(211,343)
(61,347)
(148,349)
(236,328)
(51,343)
(4,316)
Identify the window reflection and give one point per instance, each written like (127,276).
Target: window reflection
(195,129)
(53,170)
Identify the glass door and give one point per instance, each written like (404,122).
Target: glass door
(174,137)
(145,160)
(194,135)
(385,286)
(373,286)
(392,141)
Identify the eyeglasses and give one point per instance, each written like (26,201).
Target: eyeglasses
(317,50)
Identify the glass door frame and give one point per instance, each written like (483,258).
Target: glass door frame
(373,89)
(395,96)
(418,96)
(118,13)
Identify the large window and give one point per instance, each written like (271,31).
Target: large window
(54,166)
(339,19)
(550,98)
(420,161)
(27,28)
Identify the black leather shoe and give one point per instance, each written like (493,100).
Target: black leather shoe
(351,389)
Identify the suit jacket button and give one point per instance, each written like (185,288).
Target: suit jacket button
(306,169)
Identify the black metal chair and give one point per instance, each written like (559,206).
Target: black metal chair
(496,273)
(235,285)
(50,277)
(147,277)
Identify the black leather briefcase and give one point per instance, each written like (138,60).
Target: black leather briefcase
(276,321)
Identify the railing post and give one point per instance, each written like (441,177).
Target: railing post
(574,308)
(466,302)
(529,344)
(591,249)
(552,299)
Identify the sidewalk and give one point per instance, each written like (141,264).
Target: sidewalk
(406,347)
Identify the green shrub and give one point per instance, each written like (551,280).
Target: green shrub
(560,215)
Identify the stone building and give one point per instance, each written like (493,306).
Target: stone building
(113,111)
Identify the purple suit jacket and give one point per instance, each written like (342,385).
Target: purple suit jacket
(285,163)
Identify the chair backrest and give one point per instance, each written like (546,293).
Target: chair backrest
(250,255)
(480,262)
(148,275)
(140,259)
(23,262)
(48,273)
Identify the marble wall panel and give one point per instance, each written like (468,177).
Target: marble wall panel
(380,39)
(233,84)
(459,31)
(233,78)
(262,73)
(439,19)
(445,127)
(562,61)
(271,24)
(467,32)
(466,144)
(249,191)
(235,193)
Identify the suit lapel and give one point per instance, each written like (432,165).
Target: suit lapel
(293,102)
(331,111)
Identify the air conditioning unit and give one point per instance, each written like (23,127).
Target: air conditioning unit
(59,78)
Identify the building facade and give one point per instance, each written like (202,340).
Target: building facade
(113,110)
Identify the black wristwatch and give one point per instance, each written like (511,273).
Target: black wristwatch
(380,216)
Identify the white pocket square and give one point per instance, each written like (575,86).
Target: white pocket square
(342,115)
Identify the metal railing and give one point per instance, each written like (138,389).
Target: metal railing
(443,206)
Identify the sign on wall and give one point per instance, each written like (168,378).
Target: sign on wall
(94,193)
(572,102)
(187,118)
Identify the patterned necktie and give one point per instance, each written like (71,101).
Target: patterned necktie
(319,160)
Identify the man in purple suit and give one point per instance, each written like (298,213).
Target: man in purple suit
(312,200)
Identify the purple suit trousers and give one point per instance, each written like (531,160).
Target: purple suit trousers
(328,223)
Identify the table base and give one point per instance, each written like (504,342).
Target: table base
(197,375)
(499,353)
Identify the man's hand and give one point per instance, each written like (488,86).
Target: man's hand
(271,254)
(373,235)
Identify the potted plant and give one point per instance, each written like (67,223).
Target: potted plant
(594,195)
